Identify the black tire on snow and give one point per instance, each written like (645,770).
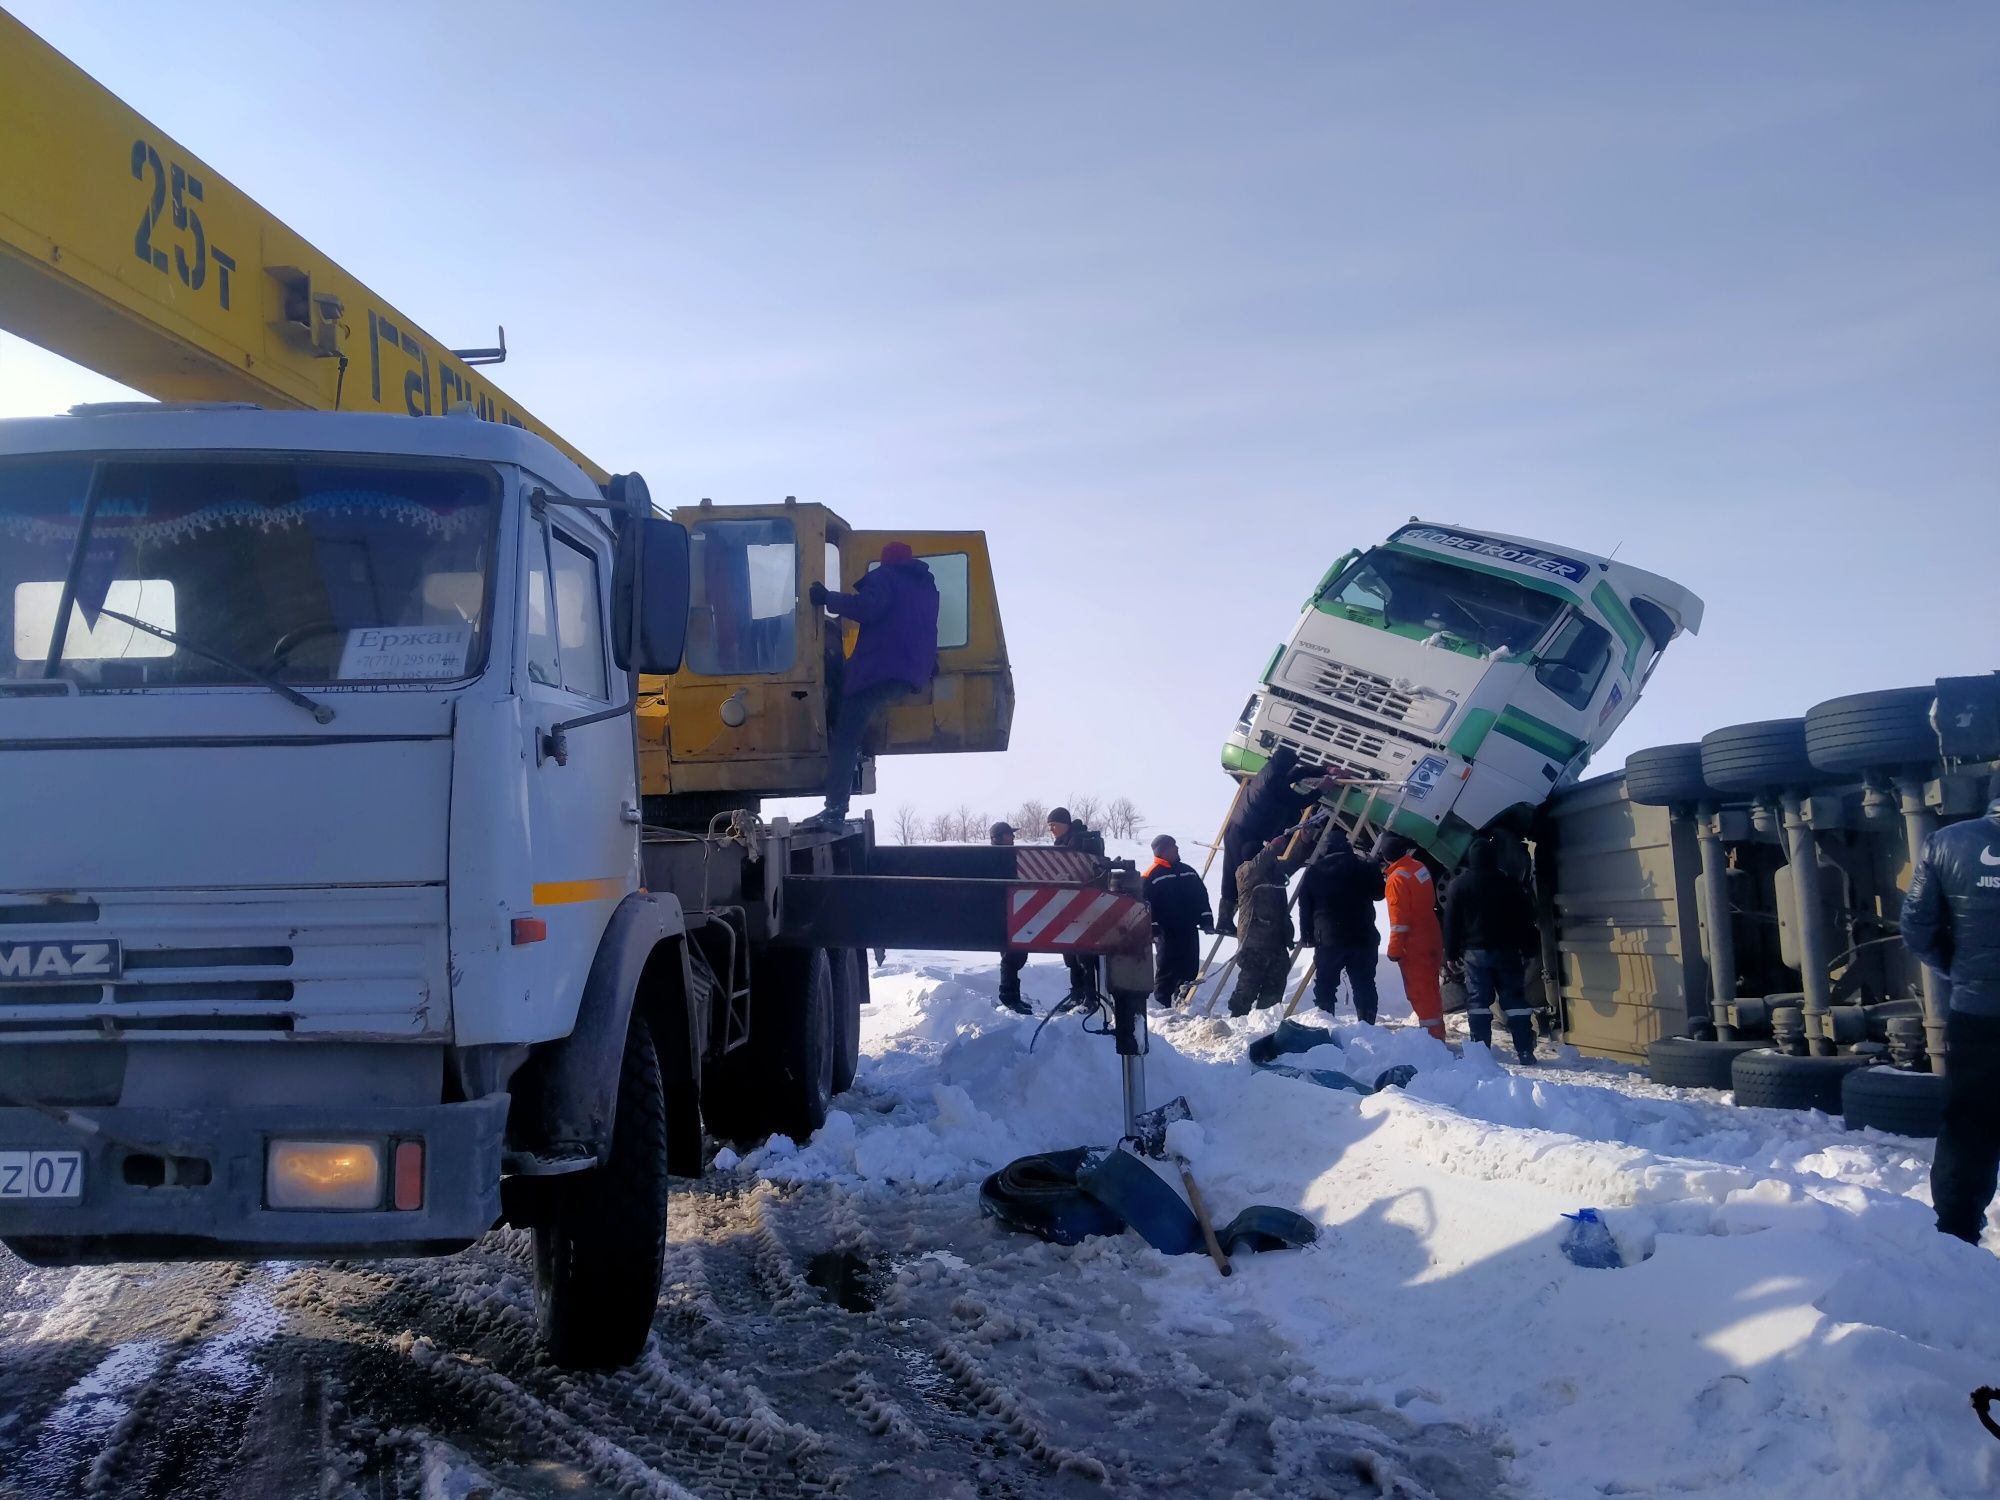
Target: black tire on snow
(850,988)
(1777,1080)
(1686,1063)
(780,1081)
(1893,1100)
(598,1255)
(1667,776)
(1871,731)
(1768,756)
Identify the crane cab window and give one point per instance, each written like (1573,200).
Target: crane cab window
(742,616)
(952,573)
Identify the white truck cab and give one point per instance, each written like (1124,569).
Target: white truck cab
(1469,674)
(318,772)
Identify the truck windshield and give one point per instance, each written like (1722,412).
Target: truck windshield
(1402,591)
(302,571)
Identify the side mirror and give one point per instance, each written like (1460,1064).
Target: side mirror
(649,597)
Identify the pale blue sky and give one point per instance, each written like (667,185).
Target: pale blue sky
(1178,302)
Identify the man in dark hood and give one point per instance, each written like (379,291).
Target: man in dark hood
(1951,921)
(895,656)
(1489,929)
(1268,804)
(1337,896)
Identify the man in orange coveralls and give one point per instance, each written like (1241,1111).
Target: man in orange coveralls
(1416,944)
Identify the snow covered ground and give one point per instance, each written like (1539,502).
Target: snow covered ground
(1787,1320)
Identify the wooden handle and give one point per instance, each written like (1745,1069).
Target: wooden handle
(1207,1229)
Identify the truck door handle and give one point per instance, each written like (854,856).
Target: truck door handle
(629,813)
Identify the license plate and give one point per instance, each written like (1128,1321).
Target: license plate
(56,1175)
(61,963)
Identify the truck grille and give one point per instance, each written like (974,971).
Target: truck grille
(1338,683)
(1319,734)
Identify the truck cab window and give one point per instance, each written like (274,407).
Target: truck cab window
(1575,661)
(544,658)
(743,610)
(579,618)
(309,571)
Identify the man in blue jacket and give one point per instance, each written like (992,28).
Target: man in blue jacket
(1951,920)
(895,655)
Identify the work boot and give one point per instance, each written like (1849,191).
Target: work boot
(1521,1029)
(1482,1029)
(1013,1001)
(826,817)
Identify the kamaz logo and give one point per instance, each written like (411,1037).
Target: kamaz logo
(76,963)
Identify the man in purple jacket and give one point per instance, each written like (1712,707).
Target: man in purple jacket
(895,655)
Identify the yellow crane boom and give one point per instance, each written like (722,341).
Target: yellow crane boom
(125,252)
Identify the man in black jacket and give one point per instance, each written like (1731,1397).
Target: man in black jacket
(1337,896)
(1489,930)
(1269,804)
(1178,899)
(1951,921)
(1065,832)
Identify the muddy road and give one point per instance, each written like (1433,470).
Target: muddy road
(809,1342)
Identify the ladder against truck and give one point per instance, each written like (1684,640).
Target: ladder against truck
(387,852)
(1461,677)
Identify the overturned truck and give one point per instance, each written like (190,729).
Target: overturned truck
(1727,910)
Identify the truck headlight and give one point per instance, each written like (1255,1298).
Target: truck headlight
(323,1174)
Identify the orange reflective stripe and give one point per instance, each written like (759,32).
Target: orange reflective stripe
(570,892)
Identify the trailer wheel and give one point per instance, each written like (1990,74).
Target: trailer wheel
(599,1252)
(1762,757)
(1666,776)
(1864,731)
(1686,1063)
(780,1081)
(1891,1099)
(850,988)
(1777,1080)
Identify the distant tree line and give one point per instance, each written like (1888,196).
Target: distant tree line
(1119,818)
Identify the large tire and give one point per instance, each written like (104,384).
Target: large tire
(1890,1099)
(780,1081)
(1873,731)
(1777,1080)
(1764,757)
(1039,1195)
(1667,776)
(598,1252)
(1685,1063)
(850,989)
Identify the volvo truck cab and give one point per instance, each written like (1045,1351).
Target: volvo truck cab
(1465,675)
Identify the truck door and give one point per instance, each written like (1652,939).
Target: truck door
(583,849)
(970,705)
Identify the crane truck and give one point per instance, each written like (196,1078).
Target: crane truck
(384,780)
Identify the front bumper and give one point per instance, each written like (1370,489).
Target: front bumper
(118,1218)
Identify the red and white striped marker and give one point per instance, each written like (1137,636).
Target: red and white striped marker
(1072,919)
(1057,866)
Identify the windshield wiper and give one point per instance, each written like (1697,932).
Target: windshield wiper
(320,711)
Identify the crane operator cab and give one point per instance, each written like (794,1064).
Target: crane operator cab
(747,715)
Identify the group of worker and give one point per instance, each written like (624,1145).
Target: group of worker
(1483,939)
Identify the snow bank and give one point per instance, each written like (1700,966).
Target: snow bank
(1787,1320)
